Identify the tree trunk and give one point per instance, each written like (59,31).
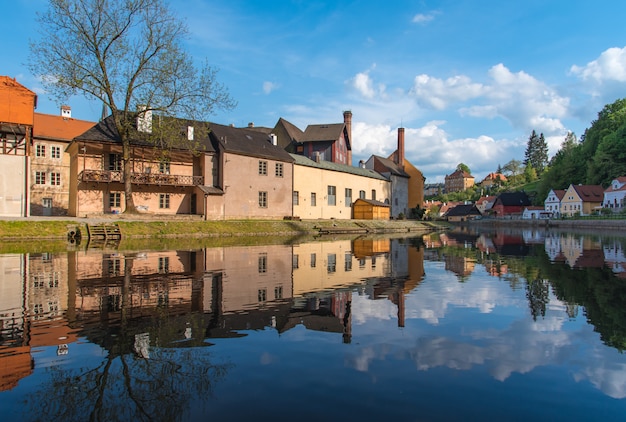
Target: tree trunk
(127,164)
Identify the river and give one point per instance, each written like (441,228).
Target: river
(462,325)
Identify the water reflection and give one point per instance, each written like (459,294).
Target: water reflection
(127,334)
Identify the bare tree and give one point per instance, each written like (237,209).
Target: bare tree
(129,55)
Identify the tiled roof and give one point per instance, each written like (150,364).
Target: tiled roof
(292,130)
(513,199)
(53,127)
(463,210)
(320,133)
(460,173)
(589,193)
(247,142)
(560,193)
(343,168)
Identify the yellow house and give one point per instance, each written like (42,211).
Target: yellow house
(328,190)
(581,199)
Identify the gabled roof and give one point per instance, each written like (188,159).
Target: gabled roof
(495,176)
(292,130)
(106,132)
(560,193)
(463,210)
(372,202)
(621,180)
(323,133)
(511,199)
(385,165)
(52,127)
(488,199)
(246,142)
(343,168)
(589,193)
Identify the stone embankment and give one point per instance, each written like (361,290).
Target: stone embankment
(603,225)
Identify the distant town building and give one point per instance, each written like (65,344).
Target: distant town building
(459,181)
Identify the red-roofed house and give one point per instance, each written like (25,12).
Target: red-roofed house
(552,204)
(614,194)
(50,164)
(493,179)
(581,199)
(459,181)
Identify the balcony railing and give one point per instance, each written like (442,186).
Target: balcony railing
(158,179)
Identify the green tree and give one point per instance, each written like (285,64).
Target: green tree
(536,154)
(463,167)
(127,54)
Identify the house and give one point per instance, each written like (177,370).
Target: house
(510,204)
(367,209)
(50,164)
(458,181)
(493,179)
(255,174)
(463,212)
(433,189)
(17,109)
(416,177)
(535,213)
(614,194)
(321,142)
(485,203)
(446,206)
(581,199)
(231,173)
(552,204)
(318,187)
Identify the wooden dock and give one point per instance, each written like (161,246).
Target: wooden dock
(104,232)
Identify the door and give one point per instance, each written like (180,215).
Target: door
(193,202)
(47,206)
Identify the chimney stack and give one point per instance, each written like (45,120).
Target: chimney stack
(347,120)
(66,112)
(400,152)
(251,124)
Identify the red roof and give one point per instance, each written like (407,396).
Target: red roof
(52,127)
(589,193)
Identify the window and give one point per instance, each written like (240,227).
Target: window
(278,292)
(362,194)
(331,267)
(164,200)
(313,199)
(295,262)
(263,199)
(278,170)
(262,295)
(263,263)
(332,195)
(313,260)
(40,150)
(348,200)
(114,267)
(263,168)
(55,179)
(40,178)
(164,168)
(296,197)
(348,261)
(164,264)
(373,194)
(115,162)
(55,152)
(115,199)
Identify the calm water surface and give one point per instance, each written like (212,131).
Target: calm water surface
(453,326)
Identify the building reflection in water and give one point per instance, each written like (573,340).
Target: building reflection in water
(130,302)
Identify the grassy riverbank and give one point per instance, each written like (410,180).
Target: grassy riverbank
(57,229)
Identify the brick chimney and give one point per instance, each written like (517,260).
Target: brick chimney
(347,120)
(400,152)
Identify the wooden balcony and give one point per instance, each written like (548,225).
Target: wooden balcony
(157,179)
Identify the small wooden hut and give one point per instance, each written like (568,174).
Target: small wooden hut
(368,209)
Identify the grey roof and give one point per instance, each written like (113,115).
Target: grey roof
(343,168)
(246,142)
(106,132)
(463,210)
(390,165)
(210,190)
(321,133)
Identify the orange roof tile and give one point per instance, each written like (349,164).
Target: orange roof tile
(52,127)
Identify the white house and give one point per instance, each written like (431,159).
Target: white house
(552,204)
(614,194)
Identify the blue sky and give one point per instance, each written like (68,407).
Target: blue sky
(468,80)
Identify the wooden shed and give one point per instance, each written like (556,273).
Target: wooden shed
(368,209)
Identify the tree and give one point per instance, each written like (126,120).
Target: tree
(463,167)
(536,154)
(128,54)
(513,167)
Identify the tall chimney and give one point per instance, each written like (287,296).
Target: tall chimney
(400,152)
(347,120)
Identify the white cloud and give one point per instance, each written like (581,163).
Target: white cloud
(364,85)
(610,66)
(268,87)
(439,93)
(424,17)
